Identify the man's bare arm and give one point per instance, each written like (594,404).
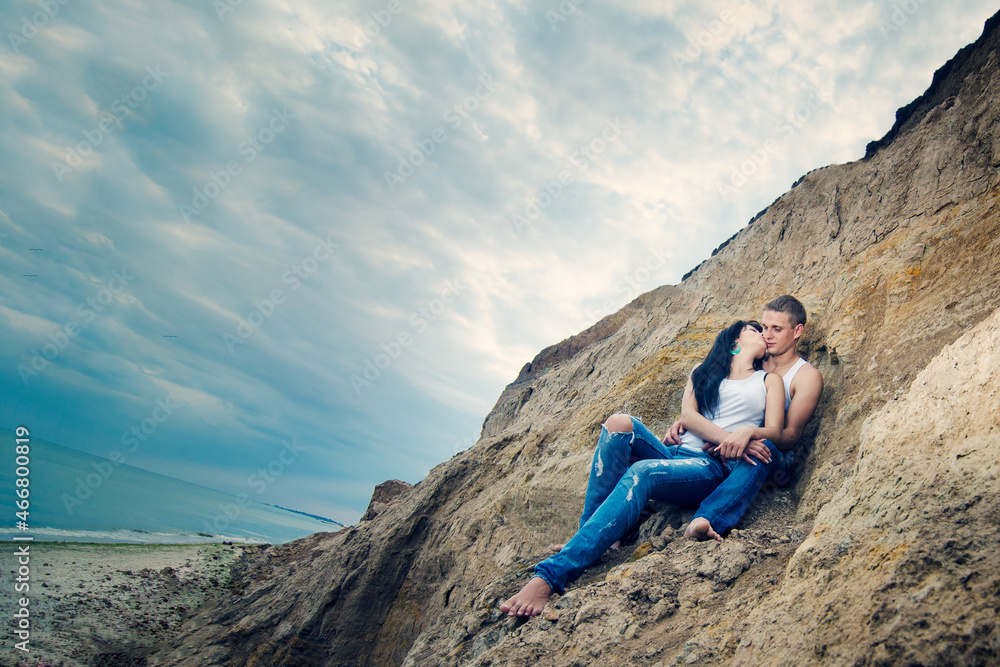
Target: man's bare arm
(807,387)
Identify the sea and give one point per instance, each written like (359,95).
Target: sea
(77,497)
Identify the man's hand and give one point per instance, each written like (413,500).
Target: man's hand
(673,436)
(757,449)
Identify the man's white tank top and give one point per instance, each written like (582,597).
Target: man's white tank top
(787,379)
(741,403)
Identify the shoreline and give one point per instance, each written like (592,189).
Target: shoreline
(108,603)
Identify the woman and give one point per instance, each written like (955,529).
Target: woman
(729,406)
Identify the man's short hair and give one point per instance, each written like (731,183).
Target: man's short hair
(790,306)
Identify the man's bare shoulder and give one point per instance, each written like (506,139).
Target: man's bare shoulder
(807,380)
(809,373)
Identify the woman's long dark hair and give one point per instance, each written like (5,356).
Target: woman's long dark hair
(709,375)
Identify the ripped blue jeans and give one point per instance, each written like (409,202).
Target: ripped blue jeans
(630,468)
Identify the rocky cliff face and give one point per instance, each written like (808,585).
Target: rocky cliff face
(885,549)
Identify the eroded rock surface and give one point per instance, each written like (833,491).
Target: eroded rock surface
(885,549)
(384,494)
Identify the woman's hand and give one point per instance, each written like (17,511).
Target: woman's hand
(673,436)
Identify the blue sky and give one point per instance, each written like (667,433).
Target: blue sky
(357,221)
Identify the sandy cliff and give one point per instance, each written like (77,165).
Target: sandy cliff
(885,549)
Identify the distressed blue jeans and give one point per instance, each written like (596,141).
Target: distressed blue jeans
(629,469)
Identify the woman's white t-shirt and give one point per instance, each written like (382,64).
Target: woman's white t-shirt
(741,403)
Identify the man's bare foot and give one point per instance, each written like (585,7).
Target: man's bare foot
(701,529)
(530,600)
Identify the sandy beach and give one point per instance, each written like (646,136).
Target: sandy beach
(106,604)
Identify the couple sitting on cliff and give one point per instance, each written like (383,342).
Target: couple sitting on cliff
(744,405)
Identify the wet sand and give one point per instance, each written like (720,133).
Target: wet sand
(106,604)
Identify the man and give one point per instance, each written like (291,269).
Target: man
(783,322)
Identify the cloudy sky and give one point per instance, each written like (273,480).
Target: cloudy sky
(347,225)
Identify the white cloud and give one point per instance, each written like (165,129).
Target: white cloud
(37,326)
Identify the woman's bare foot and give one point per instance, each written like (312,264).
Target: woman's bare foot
(701,529)
(530,600)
